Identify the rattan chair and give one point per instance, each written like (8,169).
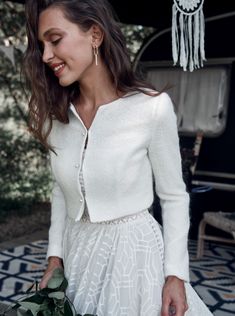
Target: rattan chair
(220,220)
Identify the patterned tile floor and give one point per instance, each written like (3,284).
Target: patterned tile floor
(213,277)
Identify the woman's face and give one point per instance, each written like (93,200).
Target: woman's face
(67,49)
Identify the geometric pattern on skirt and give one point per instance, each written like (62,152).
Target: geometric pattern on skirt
(117,268)
(212,276)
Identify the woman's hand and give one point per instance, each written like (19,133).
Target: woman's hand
(53,263)
(174,297)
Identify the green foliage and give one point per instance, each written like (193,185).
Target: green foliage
(24,172)
(135,35)
(50,301)
(25,176)
(13,18)
(12,32)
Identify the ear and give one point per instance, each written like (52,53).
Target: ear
(97,35)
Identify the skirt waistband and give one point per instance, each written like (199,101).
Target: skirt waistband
(120,220)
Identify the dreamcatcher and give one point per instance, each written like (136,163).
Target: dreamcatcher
(188,31)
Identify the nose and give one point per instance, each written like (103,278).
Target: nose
(48,54)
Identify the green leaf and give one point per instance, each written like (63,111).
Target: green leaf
(58,295)
(57,279)
(50,301)
(33,307)
(17,305)
(21,312)
(44,292)
(34,298)
(45,305)
(64,285)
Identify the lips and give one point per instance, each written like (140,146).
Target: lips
(58,68)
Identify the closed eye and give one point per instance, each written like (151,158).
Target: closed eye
(55,42)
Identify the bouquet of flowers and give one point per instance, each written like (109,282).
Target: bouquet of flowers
(50,301)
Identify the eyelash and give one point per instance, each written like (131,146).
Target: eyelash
(56,41)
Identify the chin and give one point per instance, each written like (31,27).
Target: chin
(63,84)
(65,81)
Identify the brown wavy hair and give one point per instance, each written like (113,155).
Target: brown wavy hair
(48,99)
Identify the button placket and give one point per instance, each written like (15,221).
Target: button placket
(77,165)
(80,164)
(84,133)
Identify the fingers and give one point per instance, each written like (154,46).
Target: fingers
(45,280)
(170,309)
(46,277)
(42,284)
(174,297)
(53,264)
(165,307)
(180,311)
(173,311)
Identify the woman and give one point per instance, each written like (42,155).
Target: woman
(109,134)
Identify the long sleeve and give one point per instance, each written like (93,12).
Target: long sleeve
(164,155)
(58,215)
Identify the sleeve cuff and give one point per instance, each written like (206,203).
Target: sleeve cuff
(181,273)
(54,251)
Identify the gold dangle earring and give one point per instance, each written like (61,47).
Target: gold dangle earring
(96,53)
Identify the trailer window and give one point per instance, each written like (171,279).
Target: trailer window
(200,97)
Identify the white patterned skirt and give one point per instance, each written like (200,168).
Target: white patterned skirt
(115,268)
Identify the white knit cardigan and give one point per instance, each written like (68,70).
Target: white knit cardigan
(131,140)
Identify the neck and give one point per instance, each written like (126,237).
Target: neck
(97,88)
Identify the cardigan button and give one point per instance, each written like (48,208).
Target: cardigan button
(80,200)
(77,166)
(83,133)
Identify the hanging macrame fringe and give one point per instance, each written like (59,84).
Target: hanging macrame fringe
(188,31)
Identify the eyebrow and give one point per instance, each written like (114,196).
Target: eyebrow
(52,29)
